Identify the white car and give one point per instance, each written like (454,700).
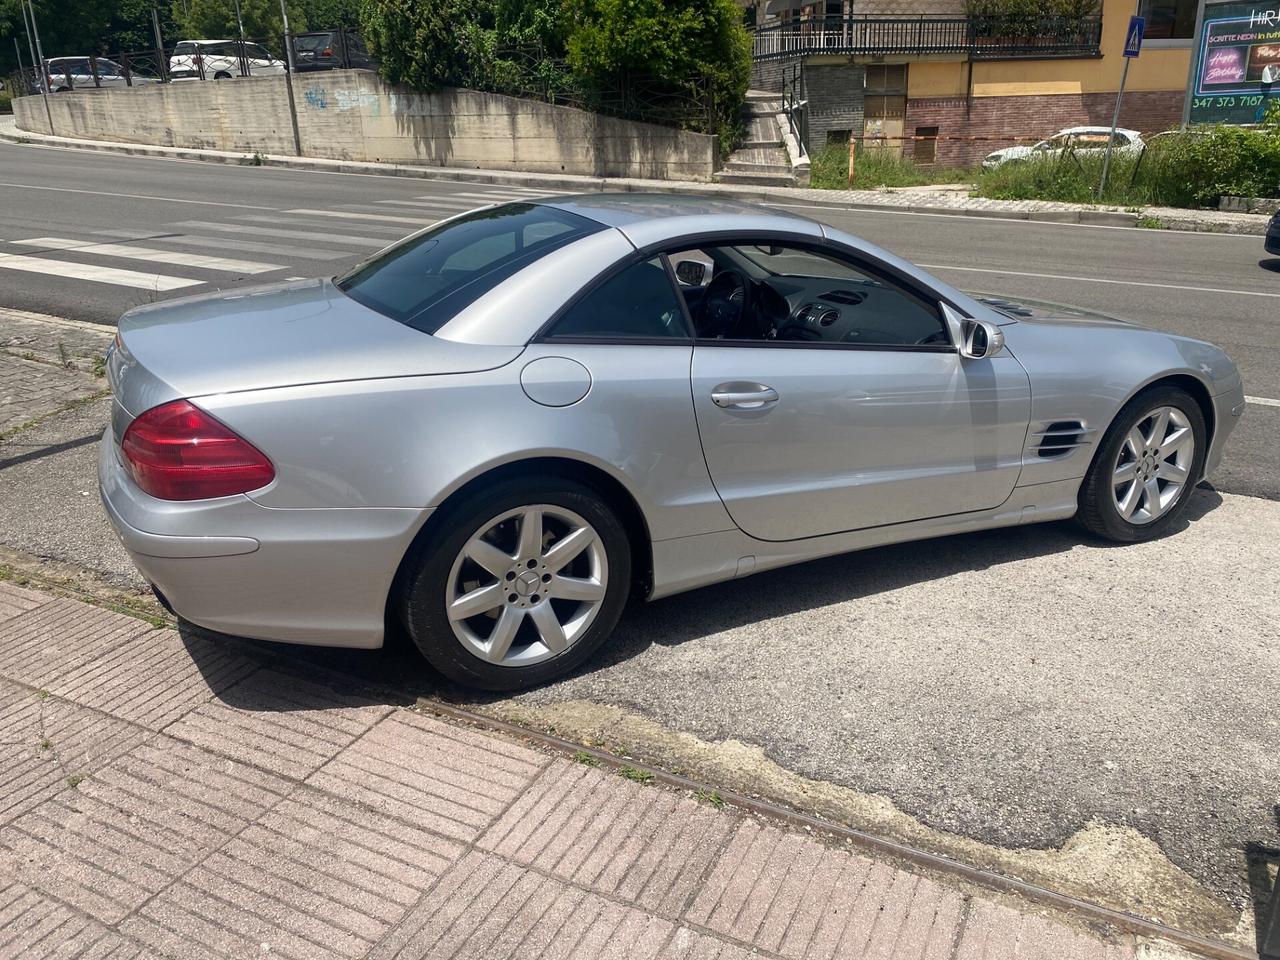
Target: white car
(1086,141)
(78,73)
(220,60)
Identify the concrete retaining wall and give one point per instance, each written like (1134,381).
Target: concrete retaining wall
(353,115)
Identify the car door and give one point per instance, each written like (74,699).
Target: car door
(840,402)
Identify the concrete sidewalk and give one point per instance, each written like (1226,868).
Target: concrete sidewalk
(167,794)
(906,200)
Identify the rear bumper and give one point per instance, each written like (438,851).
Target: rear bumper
(317,577)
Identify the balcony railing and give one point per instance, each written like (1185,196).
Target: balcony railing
(978,37)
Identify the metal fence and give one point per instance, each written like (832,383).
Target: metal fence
(982,37)
(527,72)
(197,60)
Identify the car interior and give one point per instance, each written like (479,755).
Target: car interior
(772,292)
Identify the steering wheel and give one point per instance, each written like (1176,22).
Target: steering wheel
(725,303)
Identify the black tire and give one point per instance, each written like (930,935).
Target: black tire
(1099,513)
(422,594)
(222,75)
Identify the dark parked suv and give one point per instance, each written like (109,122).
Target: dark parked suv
(1273,234)
(332,50)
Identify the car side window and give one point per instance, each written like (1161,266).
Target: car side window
(637,302)
(798,294)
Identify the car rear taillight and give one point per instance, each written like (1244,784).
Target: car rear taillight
(176,451)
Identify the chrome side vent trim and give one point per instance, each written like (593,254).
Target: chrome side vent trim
(1059,438)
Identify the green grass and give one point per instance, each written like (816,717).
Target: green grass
(829,170)
(639,776)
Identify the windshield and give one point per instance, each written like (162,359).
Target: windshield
(314,42)
(424,280)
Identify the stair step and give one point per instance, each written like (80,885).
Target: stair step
(761,145)
(754,95)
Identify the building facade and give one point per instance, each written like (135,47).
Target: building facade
(947,85)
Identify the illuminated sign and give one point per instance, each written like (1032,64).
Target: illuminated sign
(1237,68)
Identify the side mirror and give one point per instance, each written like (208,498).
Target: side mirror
(980,339)
(691,272)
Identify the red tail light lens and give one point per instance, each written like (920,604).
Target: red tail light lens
(176,451)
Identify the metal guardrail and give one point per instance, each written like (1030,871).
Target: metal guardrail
(795,106)
(980,37)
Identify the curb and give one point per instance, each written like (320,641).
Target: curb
(780,196)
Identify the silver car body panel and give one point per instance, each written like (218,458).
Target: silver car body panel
(372,426)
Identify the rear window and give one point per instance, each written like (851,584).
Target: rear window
(426,279)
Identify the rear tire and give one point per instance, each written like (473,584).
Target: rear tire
(222,75)
(490,601)
(1150,460)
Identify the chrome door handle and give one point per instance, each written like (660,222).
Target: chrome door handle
(743,396)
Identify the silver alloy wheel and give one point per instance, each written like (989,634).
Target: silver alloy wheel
(1153,465)
(527,585)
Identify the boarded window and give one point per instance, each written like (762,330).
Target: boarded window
(926,150)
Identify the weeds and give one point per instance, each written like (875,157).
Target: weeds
(829,170)
(711,797)
(586,759)
(639,776)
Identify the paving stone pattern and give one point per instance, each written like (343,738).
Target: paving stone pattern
(166,795)
(44,364)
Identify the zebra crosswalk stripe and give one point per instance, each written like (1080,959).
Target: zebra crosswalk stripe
(129,251)
(89,271)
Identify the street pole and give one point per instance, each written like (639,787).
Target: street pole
(1115,122)
(241,58)
(33,33)
(288,79)
(1132,35)
(162,62)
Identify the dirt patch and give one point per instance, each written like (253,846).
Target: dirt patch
(1113,866)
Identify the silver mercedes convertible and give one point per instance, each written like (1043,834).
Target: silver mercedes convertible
(501,428)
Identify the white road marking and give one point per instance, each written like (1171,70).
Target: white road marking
(130,252)
(490,197)
(242,228)
(226,243)
(353,216)
(1262,401)
(367,230)
(430,205)
(136,196)
(1123,283)
(86,271)
(892,212)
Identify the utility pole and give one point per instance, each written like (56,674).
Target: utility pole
(288,79)
(33,33)
(243,60)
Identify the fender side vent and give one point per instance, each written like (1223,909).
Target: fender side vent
(1059,438)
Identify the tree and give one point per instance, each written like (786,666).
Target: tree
(419,43)
(676,42)
(216,19)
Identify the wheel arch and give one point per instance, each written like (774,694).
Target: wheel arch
(1187,382)
(609,487)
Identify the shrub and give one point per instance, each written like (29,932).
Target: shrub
(682,45)
(422,45)
(829,169)
(1185,169)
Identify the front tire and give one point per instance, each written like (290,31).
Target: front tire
(519,583)
(1150,460)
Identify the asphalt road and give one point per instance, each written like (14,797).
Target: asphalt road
(1017,689)
(268,223)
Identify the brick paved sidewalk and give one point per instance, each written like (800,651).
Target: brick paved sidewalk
(164,794)
(45,363)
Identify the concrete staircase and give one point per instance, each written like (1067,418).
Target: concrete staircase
(762,159)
